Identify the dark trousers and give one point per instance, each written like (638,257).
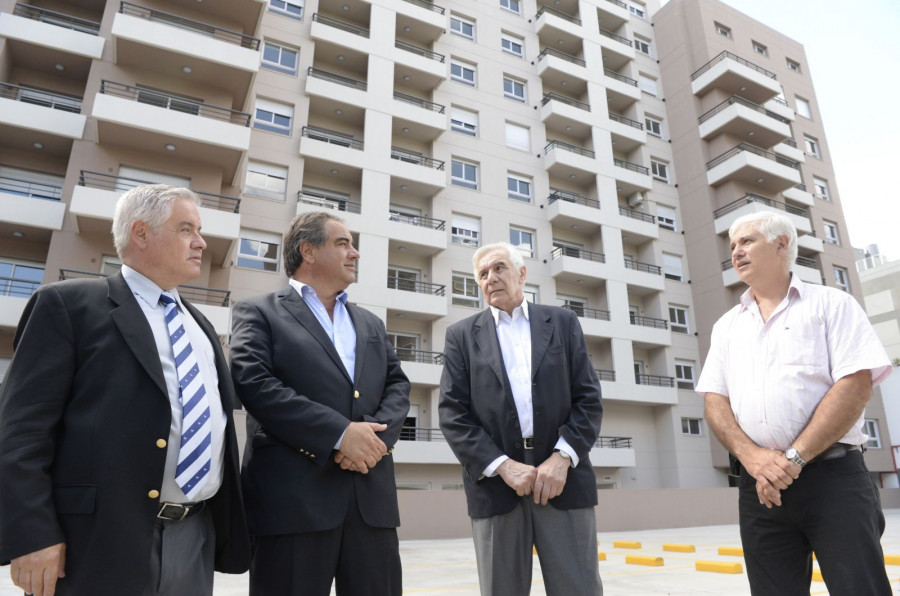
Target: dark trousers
(832,509)
(360,559)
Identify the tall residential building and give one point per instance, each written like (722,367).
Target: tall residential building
(571,128)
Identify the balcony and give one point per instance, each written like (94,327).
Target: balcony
(14,295)
(562,160)
(617,51)
(30,203)
(653,391)
(808,243)
(417,300)
(555,66)
(426,18)
(413,234)
(638,222)
(417,169)
(340,33)
(743,119)
(753,203)
(422,368)
(417,119)
(734,75)
(550,23)
(331,146)
(52,30)
(621,85)
(569,209)
(780,107)
(755,167)
(42,111)
(788,148)
(799,194)
(643,276)
(577,266)
(566,115)
(328,85)
(595,322)
(627,134)
(613,13)
(349,211)
(649,330)
(631,176)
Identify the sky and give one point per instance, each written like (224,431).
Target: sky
(853,51)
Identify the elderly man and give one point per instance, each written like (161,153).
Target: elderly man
(117,446)
(520,407)
(789,372)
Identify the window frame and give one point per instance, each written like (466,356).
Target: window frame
(806,110)
(793,65)
(874,441)
(759,48)
(640,43)
(659,169)
(272,174)
(269,238)
(651,123)
(517,129)
(824,192)
(461,129)
(519,179)
(513,40)
(271,126)
(511,94)
(286,13)
(507,5)
(723,30)
(844,284)
(464,182)
(463,21)
(832,233)
(533,241)
(648,84)
(674,323)
(683,381)
(663,219)
(812,146)
(278,66)
(464,66)
(467,301)
(458,221)
(671,275)
(687,426)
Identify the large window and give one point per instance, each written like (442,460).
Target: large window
(293,9)
(832,235)
(803,107)
(678,319)
(871,429)
(514,89)
(464,173)
(266,180)
(518,187)
(273,116)
(672,267)
(465,230)
(523,240)
(660,170)
(462,26)
(692,426)
(821,186)
(279,58)
(512,44)
(684,374)
(518,137)
(653,126)
(258,250)
(464,121)
(666,217)
(841,279)
(463,72)
(465,291)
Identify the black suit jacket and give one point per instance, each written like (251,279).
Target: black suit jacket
(478,415)
(300,399)
(82,407)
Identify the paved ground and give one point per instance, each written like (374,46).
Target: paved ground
(436,567)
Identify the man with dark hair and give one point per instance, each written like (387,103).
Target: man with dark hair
(326,400)
(118,454)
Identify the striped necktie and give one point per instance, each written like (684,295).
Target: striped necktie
(195,453)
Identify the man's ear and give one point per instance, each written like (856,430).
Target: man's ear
(308,252)
(139,232)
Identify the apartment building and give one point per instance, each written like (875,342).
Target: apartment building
(567,127)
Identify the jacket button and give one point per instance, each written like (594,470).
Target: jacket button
(518,445)
(356,395)
(161,443)
(153,494)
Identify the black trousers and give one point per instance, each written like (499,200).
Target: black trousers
(832,509)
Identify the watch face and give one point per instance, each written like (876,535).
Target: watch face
(791,453)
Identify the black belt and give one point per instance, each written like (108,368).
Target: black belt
(836,451)
(179,511)
(528,442)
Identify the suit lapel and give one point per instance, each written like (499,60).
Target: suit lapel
(486,341)
(295,305)
(362,338)
(541,333)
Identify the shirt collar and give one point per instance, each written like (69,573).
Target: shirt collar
(522,308)
(145,289)
(307,291)
(796,288)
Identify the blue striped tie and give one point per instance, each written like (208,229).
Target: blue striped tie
(195,454)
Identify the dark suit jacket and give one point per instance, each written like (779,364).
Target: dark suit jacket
(478,415)
(300,399)
(81,409)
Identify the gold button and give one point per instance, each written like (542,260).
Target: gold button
(356,395)
(153,494)
(161,443)
(312,455)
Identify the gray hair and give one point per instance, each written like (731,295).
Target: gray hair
(150,203)
(515,257)
(771,225)
(306,227)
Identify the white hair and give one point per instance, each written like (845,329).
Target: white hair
(771,225)
(512,253)
(150,203)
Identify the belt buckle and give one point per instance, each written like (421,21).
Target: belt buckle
(528,442)
(180,511)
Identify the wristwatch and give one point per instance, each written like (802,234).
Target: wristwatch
(563,454)
(793,455)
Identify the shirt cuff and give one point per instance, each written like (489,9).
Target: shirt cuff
(491,470)
(564,446)
(337,446)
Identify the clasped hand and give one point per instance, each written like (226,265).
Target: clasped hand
(545,481)
(361,448)
(773,473)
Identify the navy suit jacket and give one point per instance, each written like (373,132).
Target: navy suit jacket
(478,414)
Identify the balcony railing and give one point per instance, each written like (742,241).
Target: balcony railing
(790,143)
(420,356)
(737,99)
(30,189)
(571,197)
(318,73)
(618,3)
(620,77)
(654,380)
(17,287)
(411,285)
(588,313)
(409,47)
(434,435)
(634,214)
(422,103)
(645,267)
(605,375)
(226,35)
(631,166)
(102,181)
(558,13)
(619,38)
(755,150)
(613,442)
(328,201)
(38,97)
(755,198)
(195,294)
(56,18)
(567,147)
(339,24)
(726,54)
(633,123)
(429,5)
(577,253)
(566,100)
(415,158)
(176,103)
(331,137)
(649,322)
(418,220)
(561,55)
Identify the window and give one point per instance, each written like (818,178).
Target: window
(462,72)
(723,30)
(513,89)
(561,248)
(462,27)
(288,9)
(653,126)
(279,58)
(832,236)
(841,279)
(803,107)
(463,173)
(871,429)
(821,186)
(110,265)
(464,121)
(760,48)
(672,267)
(691,426)
(518,137)
(795,66)
(647,84)
(531,293)
(660,170)
(518,187)
(402,278)
(678,317)
(258,250)
(19,278)
(812,146)
(684,374)
(465,230)
(576,305)
(265,180)
(512,45)
(637,10)
(406,345)
(465,291)
(642,45)
(666,217)
(511,5)
(523,240)
(273,116)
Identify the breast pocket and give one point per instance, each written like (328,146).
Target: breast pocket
(803,343)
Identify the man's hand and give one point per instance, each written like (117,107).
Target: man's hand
(550,478)
(361,448)
(773,472)
(518,476)
(36,573)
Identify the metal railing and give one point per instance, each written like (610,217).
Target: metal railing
(755,198)
(755,150)
(176,103)
(588,313)
(790,143)
(654,380)
(577,253)
(558,13)
(429,5)
(726,54)
(409,47)
(571,197)
(561,55)
(415,158)
(331,137)
(112,182)
(613,442)
(30,188)
(327,201)
(780,100)
(420,356)
(620,77)
(418,220)
(39,97)
(226,35)
(605,375)
(566,100)
(434,435)
(618,38)
(634,214)
(631,166)
(567,147)
(648,321)
(339,24)
(195,294)
(318,73)
(411,285)
(617,118)
(618,3)
(645,267)
(737,99)
(800,186)
(17,287)
(56,18)
(416,101)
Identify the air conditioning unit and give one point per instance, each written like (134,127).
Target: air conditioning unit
(636,199)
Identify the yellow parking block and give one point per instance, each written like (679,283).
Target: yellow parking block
(735,551)
(644,560)
(626,544)
(719,566)
(601,556)
(680,548)
(892,559)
